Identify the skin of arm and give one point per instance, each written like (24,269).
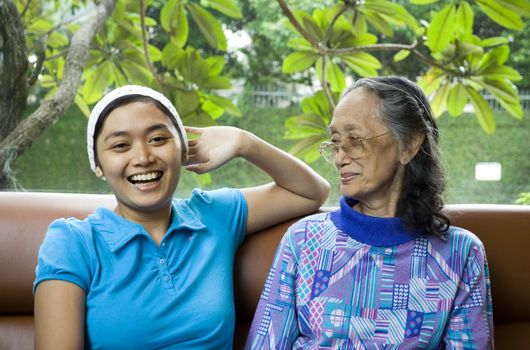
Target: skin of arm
(296,189)
(59,316)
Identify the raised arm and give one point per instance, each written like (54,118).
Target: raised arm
(59,316)
(296,189)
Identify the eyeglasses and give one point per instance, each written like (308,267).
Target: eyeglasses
(353,147)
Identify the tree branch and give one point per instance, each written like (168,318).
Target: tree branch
(146,46)
(325,86)
(53,108)
(287,12)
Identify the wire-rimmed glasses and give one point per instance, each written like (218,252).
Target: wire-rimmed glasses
(353,147)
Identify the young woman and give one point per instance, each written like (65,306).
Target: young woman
(156,272)
(386,270)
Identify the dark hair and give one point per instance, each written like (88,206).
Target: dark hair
(406,112)
(121,101)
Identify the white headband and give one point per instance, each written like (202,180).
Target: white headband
(128,90)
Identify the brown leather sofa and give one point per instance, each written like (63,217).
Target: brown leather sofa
(25,216)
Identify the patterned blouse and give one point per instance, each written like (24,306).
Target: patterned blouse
(345,280)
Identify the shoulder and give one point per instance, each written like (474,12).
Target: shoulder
(225,204)
(459,242)
(316,227)
(73,228)
(462,238)
(224,195)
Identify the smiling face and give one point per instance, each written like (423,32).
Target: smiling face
(375,178)
(139,153)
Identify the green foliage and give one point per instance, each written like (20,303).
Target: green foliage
(47,166)
(524,198)
(336,42)
(126,52)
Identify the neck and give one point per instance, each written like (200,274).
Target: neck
(155,223)
(383,202)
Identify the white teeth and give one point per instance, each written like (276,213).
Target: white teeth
(144,177)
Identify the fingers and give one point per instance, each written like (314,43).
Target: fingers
(193,130)
(199,168)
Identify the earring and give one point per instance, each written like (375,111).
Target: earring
(99,172)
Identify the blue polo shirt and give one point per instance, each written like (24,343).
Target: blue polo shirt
(178,295)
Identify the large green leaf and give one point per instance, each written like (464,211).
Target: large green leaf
(496,56)
(215,65)
(319,105)
(501,73)
(216,83)
(137,73)
(81,104)
(501,14)
(401,55)
(506,94)
(186,102)
(299,61)
(494,41)
(457,99)
(362,63)
(213,109)
(97,81)
(57,40)
(226,7)
(335,77)
(464,18)
(308,148)
(378,22)
(167,14)
(181,31)
(521,7)
(209,26)
(226,104)
(39,27)
(483,112)
(442,28)
(423,2)
(171,54)
(305,125)
(439,100)
(300,44)
(395,11)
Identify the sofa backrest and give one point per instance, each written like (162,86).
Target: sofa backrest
(25,216)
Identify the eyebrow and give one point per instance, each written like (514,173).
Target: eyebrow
(347,127)
(150,129)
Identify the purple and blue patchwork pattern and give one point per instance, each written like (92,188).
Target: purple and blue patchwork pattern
(329,290)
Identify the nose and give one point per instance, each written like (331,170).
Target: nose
(143,155)
(341,158)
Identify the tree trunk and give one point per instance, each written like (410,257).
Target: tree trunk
(13,74)
(22,137)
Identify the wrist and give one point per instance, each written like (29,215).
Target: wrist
(246,144)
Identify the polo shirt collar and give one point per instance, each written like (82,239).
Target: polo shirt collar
(116,231)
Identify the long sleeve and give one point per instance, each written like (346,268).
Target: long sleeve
(471,320)
(275,324)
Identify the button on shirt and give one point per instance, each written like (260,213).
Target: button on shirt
(142,296)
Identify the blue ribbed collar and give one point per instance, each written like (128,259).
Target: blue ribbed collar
(367,229)
(117,231)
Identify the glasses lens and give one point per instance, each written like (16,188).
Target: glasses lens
(326,151)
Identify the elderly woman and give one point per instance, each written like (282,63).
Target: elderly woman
(385,270)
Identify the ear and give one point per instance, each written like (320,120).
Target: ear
(411,149)
(99,172)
